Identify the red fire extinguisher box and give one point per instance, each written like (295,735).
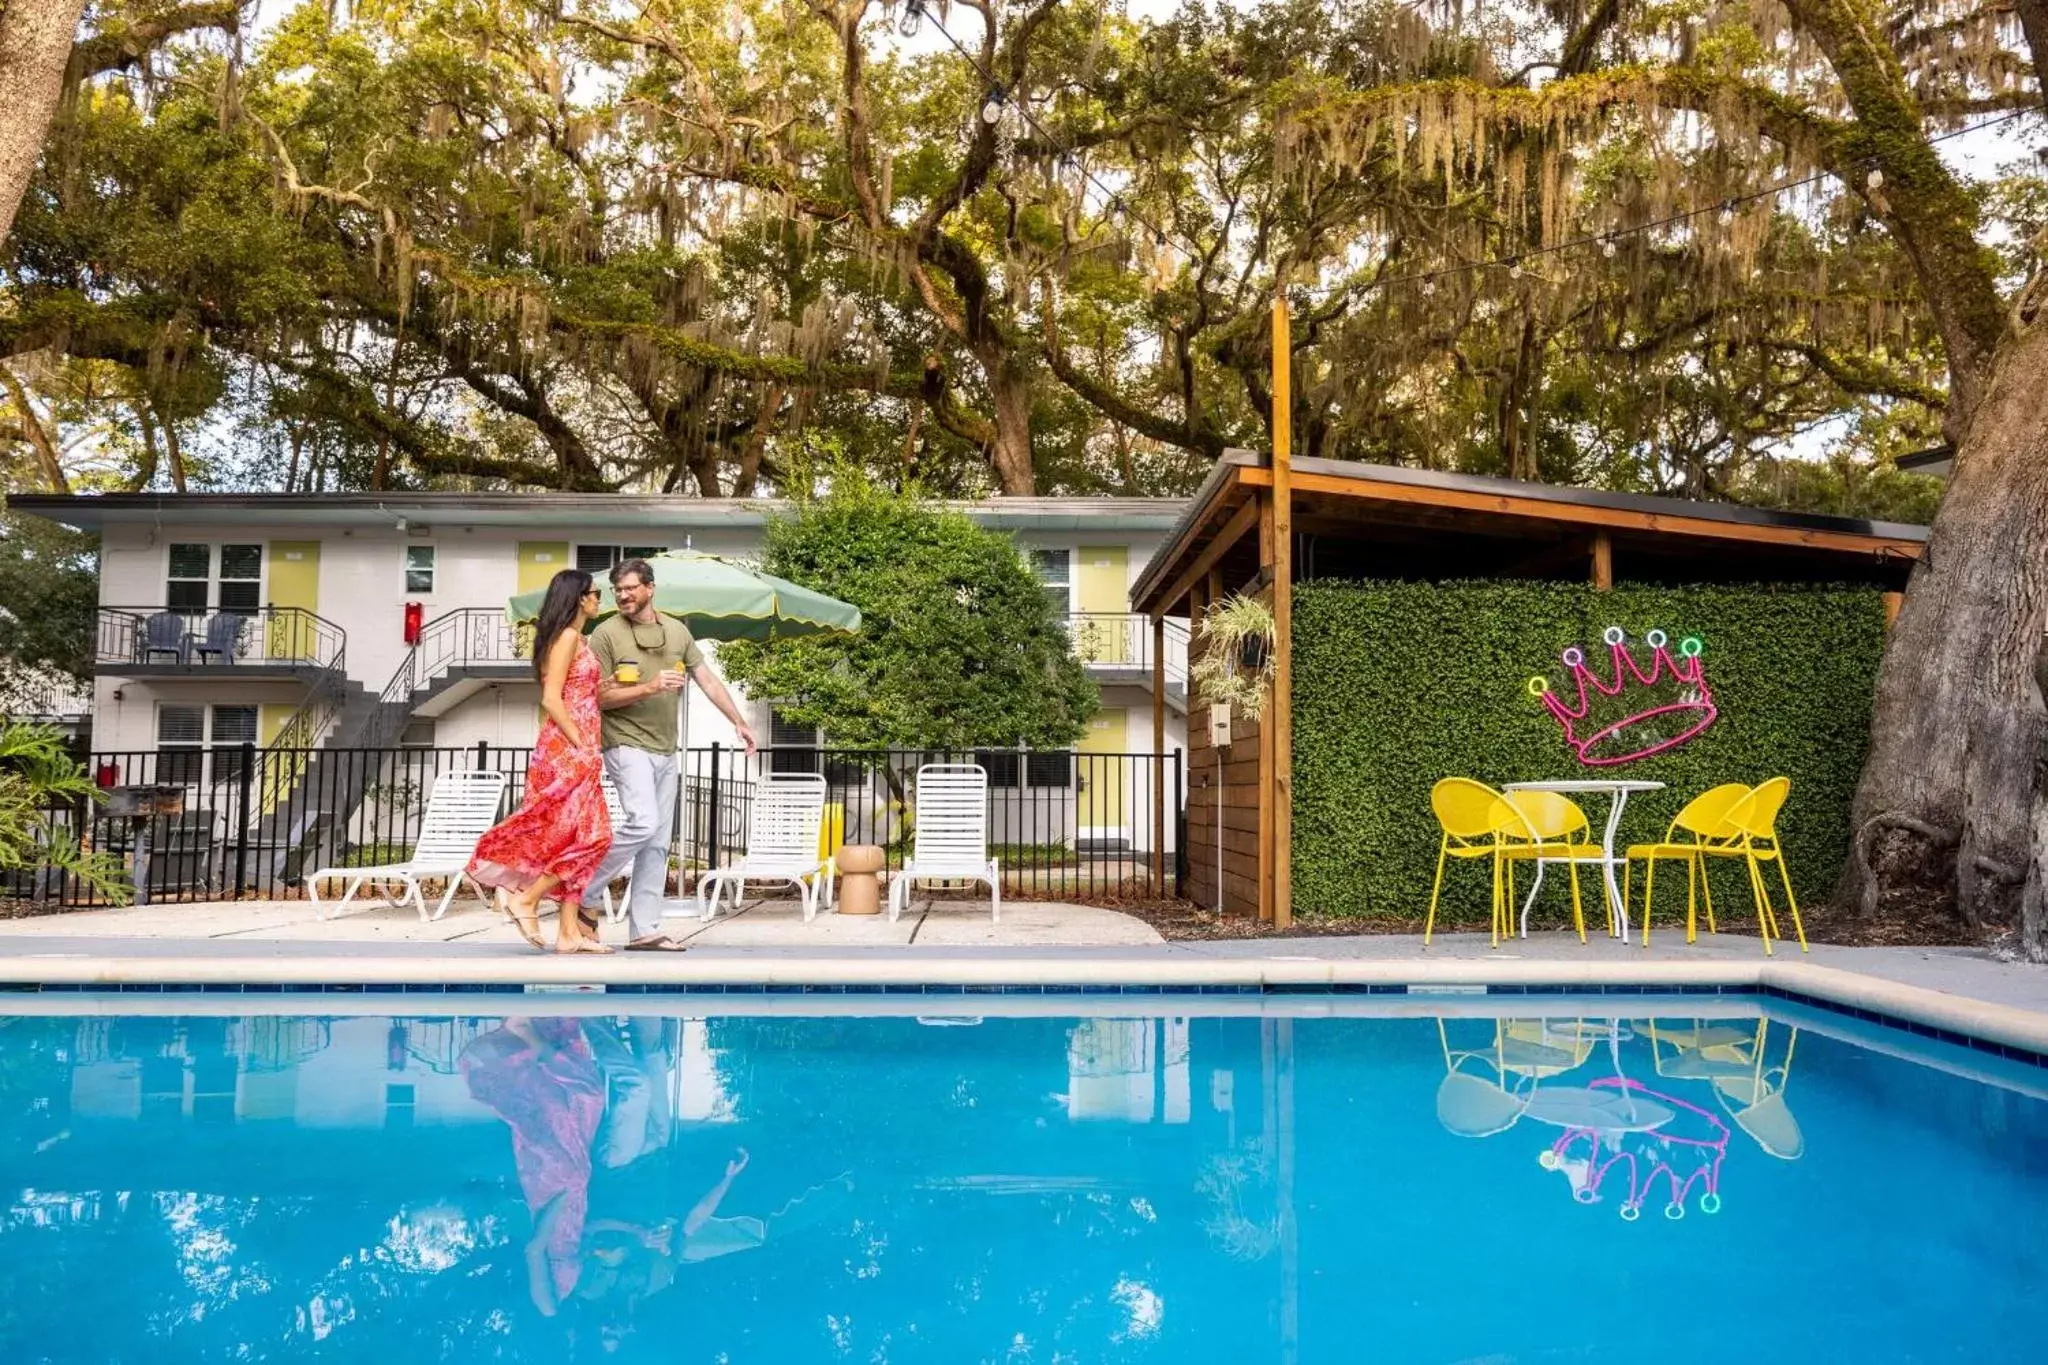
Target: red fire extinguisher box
(414,612)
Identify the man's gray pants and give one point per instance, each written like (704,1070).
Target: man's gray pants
(646,785)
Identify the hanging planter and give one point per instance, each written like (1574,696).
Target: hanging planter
(1236,665)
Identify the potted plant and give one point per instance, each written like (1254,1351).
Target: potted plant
(1236,666)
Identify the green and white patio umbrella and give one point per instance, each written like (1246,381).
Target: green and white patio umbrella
(720,600)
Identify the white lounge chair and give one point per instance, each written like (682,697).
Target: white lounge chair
(615,909)
(782,846)
(950,839)
(462,808)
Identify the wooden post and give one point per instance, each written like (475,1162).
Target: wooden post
(1158,754)
(1280,708)
(1603,561)
(1265,781)
(1892,602)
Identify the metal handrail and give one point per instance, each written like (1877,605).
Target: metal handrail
(218,637)
(461,638)
(1123,640)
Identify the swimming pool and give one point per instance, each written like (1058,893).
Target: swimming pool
(1566,1180)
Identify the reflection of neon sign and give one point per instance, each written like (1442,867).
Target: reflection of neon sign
(1650,1158)
(1640,712)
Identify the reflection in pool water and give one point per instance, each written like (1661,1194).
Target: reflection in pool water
(1585,1187)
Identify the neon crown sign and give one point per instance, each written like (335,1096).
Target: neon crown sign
(1633,713)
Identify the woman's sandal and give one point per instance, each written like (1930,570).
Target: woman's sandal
(584,945)
(529,927)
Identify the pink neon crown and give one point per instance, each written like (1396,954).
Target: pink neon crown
(1640,712)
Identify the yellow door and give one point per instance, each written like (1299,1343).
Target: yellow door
(1103,589)
(277,773)
(294,582)
(539,561)
(1102,762)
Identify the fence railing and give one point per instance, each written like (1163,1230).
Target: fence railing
(165,636)
(1065,825)
(1123,640)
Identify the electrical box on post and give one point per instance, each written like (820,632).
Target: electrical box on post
(1219,725)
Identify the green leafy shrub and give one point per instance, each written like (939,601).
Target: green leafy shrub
(37,776)
(1399,684)
(959,647)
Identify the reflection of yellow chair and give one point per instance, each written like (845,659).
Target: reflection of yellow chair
(1478,822)
(1523,1052)
(1736,1062)
(1706,823)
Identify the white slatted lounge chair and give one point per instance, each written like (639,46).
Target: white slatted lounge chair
(462,808)
(615,910)
(782,846)
(950,840)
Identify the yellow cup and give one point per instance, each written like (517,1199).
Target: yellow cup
(629,671)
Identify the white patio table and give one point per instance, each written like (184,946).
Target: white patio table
(1618,793)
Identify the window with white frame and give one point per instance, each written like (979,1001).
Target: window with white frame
(419,569)
(201,577)
(189,584)
(599,559)
(1055,570)
(180,744)
(229,728)
(240,586)
(184,734)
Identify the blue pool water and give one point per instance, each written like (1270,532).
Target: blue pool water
(1582,1187)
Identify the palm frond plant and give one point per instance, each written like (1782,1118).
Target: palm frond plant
(37,778)
(1236,663)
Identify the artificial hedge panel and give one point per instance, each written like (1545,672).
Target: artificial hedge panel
(1399,684)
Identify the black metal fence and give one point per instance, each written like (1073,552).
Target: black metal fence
(1064,825)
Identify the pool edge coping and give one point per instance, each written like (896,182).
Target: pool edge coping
(1854,992)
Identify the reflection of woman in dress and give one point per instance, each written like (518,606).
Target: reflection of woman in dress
(552,844)
(541,1078)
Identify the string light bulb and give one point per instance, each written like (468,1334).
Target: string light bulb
(1727,212)
(1607,247)
(992,111)
(1428,288)
(912,18)
(1515,268)
(1875,180)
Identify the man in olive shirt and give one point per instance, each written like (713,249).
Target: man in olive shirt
(640,742)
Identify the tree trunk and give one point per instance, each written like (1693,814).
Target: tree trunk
(1009,383)
(1950,760)
(35,45)
(2033,912)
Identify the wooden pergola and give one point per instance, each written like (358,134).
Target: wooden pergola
(1260,524)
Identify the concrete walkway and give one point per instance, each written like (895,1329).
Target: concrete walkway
(953,942)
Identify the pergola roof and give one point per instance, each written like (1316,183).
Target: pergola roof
(1378,520)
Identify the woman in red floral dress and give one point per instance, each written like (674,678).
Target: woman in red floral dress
(550,846)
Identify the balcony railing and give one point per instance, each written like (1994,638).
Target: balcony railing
(1123,641)
(289,637)
(468,637)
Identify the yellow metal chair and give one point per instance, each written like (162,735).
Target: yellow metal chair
(1707,826)
(1757,822)
(1478,822)
(1546,821)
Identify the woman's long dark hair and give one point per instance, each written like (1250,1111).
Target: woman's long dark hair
(557,613)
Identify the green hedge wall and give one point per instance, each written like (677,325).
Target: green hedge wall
(1399,684)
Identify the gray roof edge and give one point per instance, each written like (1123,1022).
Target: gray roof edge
(89,511)
(1232,458)
(1652,503)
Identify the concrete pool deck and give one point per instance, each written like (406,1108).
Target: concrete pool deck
(1964,991)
